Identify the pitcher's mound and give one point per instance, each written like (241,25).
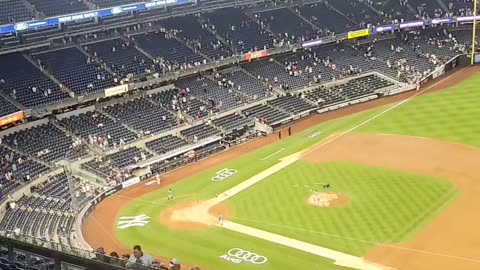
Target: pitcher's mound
(328,200)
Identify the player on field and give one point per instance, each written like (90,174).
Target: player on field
(220,220)
(315,195)
(170,194)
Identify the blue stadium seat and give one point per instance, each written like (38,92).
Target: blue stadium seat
(12,11)
(6,107)
(21,76)
(72,68)
(58,7)
(238,30)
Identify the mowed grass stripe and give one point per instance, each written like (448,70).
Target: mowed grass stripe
(216,242)
(382,204)
(451,115)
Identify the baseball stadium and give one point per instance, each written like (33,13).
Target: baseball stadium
(237,135)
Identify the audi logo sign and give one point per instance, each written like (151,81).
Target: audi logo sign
(223,174)
(238,255)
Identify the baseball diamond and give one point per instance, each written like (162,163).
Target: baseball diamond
(239,135)
(386,160)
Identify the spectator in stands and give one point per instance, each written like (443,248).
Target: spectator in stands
(175,264)
(115,260)
(138,257)
(159,265)
(100,254)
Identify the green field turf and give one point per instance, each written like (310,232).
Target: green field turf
(384,205)
(450,115)
(447,115)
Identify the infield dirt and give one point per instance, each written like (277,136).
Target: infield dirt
(450,240)
(99,226)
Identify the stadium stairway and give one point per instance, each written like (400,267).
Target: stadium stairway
(13,101)
(140,49)
(303,75)
(309,101)
(443,5)
(84,174)
(303,18)
(90,4)
(97,181)
(412,10)
(276,90)
(279,108)
(139,144)
(18,151)
(93,148)
(155,103)
(369,5)
(251,15)
(340,12)
(30,7)
(242,94)
(104,67)
(191,48)
(202,20)
(49,75)
(103,112)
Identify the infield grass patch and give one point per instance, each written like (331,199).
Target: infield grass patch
(384,207)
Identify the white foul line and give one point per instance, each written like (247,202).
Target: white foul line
(361,240)
(267,157)
(339,257)
(376,116)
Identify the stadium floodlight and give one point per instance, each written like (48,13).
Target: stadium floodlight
(474,31)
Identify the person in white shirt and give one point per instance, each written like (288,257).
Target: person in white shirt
(138,257)
(220,220)
(315,195)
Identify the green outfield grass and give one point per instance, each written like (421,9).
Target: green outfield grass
(451,115)
(384,206)
(204,247)
(448,115)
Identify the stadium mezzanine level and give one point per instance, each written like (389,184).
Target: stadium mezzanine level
(232,60)
(375,17)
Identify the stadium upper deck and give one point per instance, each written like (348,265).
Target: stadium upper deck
(178,43)
(60,66)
